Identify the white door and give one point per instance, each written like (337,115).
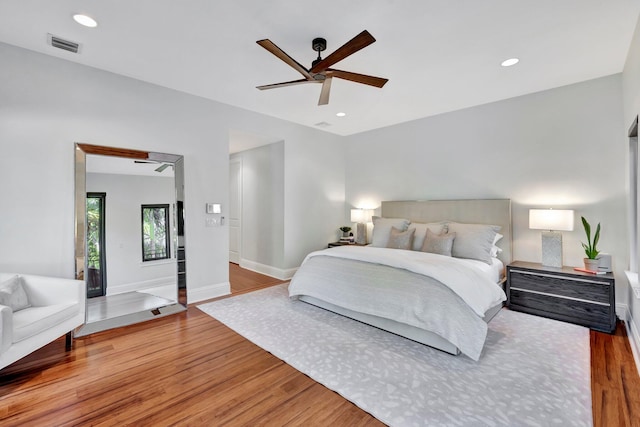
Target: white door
(235,209)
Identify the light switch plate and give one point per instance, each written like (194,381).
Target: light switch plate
(214,208)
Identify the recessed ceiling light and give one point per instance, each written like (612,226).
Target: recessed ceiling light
(85,20)
(509,62)
(341,114)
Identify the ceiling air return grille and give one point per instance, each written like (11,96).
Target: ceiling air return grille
(63,44)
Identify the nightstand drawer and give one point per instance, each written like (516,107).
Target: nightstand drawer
(589,314)
(563,286)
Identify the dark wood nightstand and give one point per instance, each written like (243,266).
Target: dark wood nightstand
(334,244)
(563,294)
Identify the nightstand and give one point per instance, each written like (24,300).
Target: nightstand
(334,244)
(563,294)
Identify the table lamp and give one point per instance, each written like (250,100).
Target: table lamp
(552,220)
(361,217)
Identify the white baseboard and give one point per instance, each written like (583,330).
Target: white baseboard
(633,334)
(208,292)
(138,286)
(278,273)
(634,340)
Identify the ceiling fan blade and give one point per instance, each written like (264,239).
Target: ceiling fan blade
(324,94)
(271,47)
(358,78)
(360,41)
(284,84)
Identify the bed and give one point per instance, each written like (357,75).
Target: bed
(442,301)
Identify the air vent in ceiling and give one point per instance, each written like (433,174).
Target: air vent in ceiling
(63,44)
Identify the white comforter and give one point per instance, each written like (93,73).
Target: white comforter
(462,276)
(446,296)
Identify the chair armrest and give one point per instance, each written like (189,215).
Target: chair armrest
(43,291)
(6,328)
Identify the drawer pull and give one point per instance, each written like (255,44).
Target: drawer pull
(560,296)
(553,276)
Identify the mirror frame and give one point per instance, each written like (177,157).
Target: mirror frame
(81,151)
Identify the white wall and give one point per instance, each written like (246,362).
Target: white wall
(47,104)
(125,194)
(564,147)
(631,97)
(262,205)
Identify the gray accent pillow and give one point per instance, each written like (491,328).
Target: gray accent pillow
(13,295)
(421,232)
(440,244)
(473,241)
(401,239)
(382,229)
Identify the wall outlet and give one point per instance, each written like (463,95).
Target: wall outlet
(210,222)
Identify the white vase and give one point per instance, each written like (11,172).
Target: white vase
(591,264)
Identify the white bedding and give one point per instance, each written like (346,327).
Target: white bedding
(473,281)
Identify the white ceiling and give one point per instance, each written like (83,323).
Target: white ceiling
(439,56)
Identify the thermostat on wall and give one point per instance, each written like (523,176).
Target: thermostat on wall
(214,208)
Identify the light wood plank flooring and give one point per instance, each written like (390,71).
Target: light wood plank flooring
(189,369)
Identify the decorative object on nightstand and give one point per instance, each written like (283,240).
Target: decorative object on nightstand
(345,233)
(361,217)
(342,243)
(565,294)
(591,262)
(552,220)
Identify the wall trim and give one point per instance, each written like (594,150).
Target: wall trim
(202,293)
(142,285)
(634,340)
(278,273)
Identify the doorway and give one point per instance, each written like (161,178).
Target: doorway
(96,253)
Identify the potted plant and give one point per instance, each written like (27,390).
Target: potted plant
(590,248)
(345,232)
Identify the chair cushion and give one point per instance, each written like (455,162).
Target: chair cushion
(33,320)
(12,294)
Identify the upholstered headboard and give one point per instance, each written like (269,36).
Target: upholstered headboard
(473,211)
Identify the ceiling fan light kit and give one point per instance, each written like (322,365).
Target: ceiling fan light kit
(320,71)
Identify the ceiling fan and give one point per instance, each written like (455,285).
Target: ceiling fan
(159,169)
(320,71)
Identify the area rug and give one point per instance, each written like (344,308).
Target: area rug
(532,372)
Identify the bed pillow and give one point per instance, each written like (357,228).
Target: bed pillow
(438,243)
(12,294)
(421,232)
(401,239)
(473,241)
(382,229)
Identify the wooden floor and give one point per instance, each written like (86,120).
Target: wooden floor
(189,369)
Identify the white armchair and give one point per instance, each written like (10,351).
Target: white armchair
(57,308)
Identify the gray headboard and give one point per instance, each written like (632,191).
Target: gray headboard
(473,211)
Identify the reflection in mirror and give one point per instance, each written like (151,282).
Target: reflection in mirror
(130,246)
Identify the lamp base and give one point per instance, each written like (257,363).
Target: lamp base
(551,249)
(361,233)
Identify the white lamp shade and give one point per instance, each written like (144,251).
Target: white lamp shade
(361,215)
(551,219)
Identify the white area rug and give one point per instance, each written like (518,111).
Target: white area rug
(533,371)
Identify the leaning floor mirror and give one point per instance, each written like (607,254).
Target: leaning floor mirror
(129,235)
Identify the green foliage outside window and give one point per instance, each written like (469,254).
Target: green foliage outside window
(155,232)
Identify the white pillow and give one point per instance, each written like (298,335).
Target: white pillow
(12,294)
(473,241)
(382,229)
(421,232)
(494,249)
